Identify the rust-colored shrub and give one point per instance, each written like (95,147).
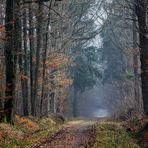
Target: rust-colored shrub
(26,124)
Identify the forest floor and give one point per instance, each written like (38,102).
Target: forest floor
(86,133)
(73,133)
(76,134)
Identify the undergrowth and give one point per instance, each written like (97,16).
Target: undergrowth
(25,132)
(112,135)
(138,129)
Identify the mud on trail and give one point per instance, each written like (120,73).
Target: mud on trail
(77,134)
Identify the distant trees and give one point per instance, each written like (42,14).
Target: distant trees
(85,72)
(120,54)
(133,13)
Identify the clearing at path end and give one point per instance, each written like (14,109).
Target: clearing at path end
(77,134)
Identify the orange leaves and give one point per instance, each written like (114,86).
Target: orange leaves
(34,60)
(48,87)
(65,82)
(2,28)
(46,62)
(54,65)
(145,61)
(57,60)
(26,124)
(24,77)
(40,81)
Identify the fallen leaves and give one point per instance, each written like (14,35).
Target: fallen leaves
(26,124)
(8,133)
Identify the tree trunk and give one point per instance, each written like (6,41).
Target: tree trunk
(141,10)
(11,48)
(31,40)
(10,73)
(137,81)
(38,52)
(25,67)
(44,59)
(17,43)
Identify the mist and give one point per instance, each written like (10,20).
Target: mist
(98,102)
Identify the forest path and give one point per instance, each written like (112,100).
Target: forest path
(76,134)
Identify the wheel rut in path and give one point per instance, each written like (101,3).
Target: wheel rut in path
(80,135)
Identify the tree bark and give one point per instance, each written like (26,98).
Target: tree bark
(31,40)
(10,73)
(141,10)
(11,48)
(137,80)
(25,67)
(38,52)
(44,59)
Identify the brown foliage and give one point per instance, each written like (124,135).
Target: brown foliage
(65,82)
(57,60)
(7,131)
(26,124)
(2,28)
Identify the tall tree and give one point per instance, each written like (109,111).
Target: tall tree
(11,48)
(25,65)
(142,14)
(10,65)
(120,53)
(36,106)
(136,60)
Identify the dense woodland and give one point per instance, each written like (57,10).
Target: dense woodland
(49,54)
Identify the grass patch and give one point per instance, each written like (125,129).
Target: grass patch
(113,135)
(138,129)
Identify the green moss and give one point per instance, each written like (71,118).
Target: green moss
(112,135)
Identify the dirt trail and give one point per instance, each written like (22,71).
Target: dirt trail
(76,135)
